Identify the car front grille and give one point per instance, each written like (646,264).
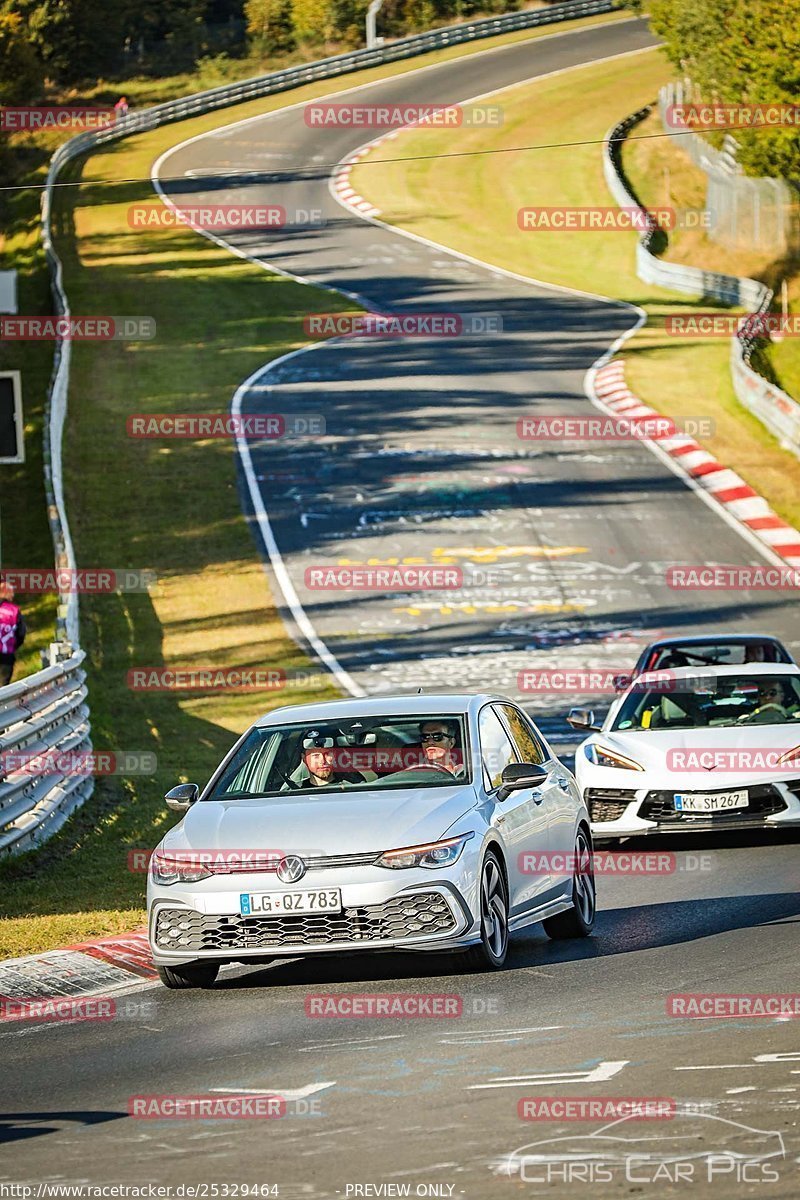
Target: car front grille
(327,862)
(794,787)
(266,861)
(607,804)
(414,915)
(764,799)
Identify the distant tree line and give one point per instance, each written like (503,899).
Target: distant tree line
(72,42)
(740,51)
(289,24)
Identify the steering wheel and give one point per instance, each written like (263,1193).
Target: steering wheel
(431,767)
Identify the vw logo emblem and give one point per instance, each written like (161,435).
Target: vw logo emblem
(290,869)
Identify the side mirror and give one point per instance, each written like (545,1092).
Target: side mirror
(517,776)
(181,798)
(582,718)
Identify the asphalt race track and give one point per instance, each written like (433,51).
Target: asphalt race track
(564,546)
(421,461)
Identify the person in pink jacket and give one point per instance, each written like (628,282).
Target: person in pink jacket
(12,632)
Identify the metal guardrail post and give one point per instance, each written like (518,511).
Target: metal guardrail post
(372,20)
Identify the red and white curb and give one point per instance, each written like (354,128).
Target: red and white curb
(720,483)
(102,967)
(346,192)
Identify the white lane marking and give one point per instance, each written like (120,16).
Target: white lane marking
(442,1166)
(715,1067)
(290,595)
(301,618)
(286,1093)
(787,1056)
(599,1074)
(737,1091)
(363,1043)
(477,1038)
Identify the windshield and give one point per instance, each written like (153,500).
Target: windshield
(722,653)
(373,753)
(732,700)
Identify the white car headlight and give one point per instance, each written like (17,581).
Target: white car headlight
(601,756)
(432,854)
(790,758)
(166,868)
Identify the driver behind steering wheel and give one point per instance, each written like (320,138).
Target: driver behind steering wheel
(438,740)
(771,705)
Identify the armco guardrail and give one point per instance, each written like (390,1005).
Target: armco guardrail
(774,408)
(44,714)
(694,281)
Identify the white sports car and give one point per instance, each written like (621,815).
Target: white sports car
(682,751)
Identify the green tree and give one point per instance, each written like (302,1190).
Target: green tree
(269,25)
(313,20)
(20,68)
(740,52)
(75,39)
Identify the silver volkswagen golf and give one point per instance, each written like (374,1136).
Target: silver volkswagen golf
(438,823)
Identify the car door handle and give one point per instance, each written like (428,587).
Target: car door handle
(537,797)
(562,782)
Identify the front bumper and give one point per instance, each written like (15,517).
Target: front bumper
(625,812)
(190,923)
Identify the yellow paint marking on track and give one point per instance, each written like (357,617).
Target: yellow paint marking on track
(381,562)
(447,610)
(486,554)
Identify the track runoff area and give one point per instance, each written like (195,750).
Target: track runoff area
(582,1066)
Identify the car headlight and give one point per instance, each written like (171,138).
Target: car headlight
(432,854)
(166,869)
(601,756)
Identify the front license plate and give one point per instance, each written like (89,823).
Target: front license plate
(719,802)
(256,904)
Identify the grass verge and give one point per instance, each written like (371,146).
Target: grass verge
(439,197)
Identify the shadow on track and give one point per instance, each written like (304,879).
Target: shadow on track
(618,931)
(16,1127)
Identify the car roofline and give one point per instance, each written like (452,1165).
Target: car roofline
(396,705)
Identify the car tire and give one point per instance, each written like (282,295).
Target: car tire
(490,952)
(577,921)
(190,975)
